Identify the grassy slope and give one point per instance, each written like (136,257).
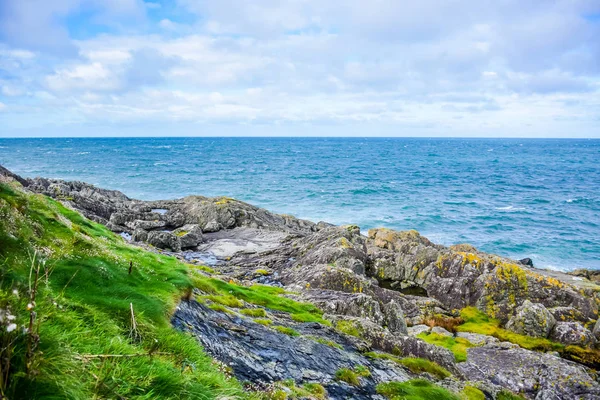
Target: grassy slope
(83,308)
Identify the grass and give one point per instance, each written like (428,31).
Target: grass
(506,395)
(415,389)
(264,296)
(286,330)
(348,328)
(348,376)
(324,341)
(265,322)
(83,308)
(458,346)
(254,312)
(414,364)
(313,391)
(227,301)
(477,322)
(471,393)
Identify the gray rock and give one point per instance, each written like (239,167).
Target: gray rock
(476,338)
(190,235)
(394,318)
(536,375)
(572,333)
(441,331)
(261,354)
(596,330)
(417,329)
(164,240)
(532,320)
(139,235)
(146,225)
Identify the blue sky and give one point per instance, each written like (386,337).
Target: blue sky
(526,68)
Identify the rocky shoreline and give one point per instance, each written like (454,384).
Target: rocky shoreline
(385,296)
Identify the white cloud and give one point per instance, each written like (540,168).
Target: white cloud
(463,66)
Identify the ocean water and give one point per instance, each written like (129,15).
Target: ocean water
(514,197)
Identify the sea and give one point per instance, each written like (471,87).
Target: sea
(536,198)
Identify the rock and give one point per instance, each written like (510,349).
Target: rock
(536,375)
(139,235)
(532,320)
(417,329)
(394,318)
(476,338)
(190,235)
(146,225)
(572,333)
(567,314)
(350,304)
(164,240)
(441,331)
(526,261)
(260,354)
(596,330)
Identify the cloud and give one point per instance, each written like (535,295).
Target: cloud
(462,66)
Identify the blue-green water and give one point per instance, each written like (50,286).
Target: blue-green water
(515,197)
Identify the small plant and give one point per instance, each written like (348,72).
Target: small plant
(219,308)
(362,371)
(348,328)
(348,376)
(225,300)
(324,341)
(414,364)
(448,323)
(316,390)
(458,346)
(254,312)
(261,272)
(472,393)
(265,322)
(507,395)
(414,389)
(286,330)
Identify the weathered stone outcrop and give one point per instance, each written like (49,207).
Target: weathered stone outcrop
(531,320)
(262,355)
(572,333)
(536,375)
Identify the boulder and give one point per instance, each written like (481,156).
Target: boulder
(596,330)
(572,333)
(533,374)
(394,318)
(477,339)
(526,261)
(417,329)
(532,320)
(146,225)
(190,235)
(164,240)
(441,331)
(139,235)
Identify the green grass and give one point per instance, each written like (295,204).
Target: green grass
(286,330)
(414,364)
(348,328)
(363,371)
(264,296)
(84,309)
(313,391)
(254,312)
(506,395)
(348,376)
(415,389)
(265,322)
(458,346)
(477,322)
(471,393)
(227,301)
(324,341)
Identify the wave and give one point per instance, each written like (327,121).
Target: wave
(511,208)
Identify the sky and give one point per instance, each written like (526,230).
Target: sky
(499,68)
